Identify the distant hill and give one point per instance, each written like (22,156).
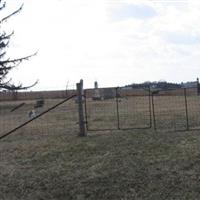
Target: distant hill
(162,85)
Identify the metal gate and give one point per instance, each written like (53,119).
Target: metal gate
(117,108)
(176,109)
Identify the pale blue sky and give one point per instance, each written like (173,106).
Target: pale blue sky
(182,38)
(114,42)
(138,11)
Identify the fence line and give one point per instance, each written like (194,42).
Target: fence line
(36,117)
(108,109)
(122,108)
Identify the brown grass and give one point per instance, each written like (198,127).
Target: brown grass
(112,165)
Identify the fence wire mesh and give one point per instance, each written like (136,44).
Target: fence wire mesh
(128,108)
(170,110)
(105,109)
(176,109)
(101,112)
(134,108)
(193,106)
(117,108)
(59,120)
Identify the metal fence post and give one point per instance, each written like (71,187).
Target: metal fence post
(186,109)
(79,87)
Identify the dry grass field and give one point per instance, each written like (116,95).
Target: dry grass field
(46,159)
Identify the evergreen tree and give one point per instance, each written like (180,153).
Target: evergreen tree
(7,64)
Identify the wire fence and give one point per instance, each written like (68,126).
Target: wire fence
(117,108)
(170,111)
(105,109)
(42,116)
(129,108)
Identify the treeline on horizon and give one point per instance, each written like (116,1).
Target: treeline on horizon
(161,85)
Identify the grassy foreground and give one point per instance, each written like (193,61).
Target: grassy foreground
(113,165)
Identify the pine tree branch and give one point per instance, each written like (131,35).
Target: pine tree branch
(15,12)
(9,86)
(18,60)
(8,64)
(3,45)
(3,6)
(4,69)
(2,55)
(6,37)
(6,83)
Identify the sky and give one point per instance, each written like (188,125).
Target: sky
(114,42)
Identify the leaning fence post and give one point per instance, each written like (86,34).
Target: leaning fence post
(79,87)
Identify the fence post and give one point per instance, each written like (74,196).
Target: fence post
(117,107)
(86,115)
(153,111)
(198,87)
(79,87)
(186,109)
(150,112)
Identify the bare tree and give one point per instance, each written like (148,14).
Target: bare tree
(7,64)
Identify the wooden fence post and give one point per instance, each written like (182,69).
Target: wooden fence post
(198,87)
(79,87)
